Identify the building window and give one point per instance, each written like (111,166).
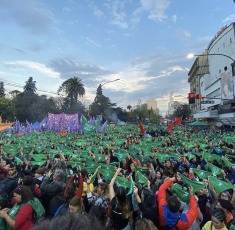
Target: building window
(233,68)
(230,40)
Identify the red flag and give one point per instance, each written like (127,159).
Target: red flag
(178,121)
(142,131)
(175,122)
(170,127)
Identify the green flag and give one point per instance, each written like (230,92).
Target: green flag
(100,157)
(201,173)
(107,174)
(214,169)
(141,179)
(18,161)
(122,181)
(91,164)
(94,175)
(107,167)
(181,192)
(121,156)
(219,185)
(131,186)
(89,128)
(227,162)
(196,185)
(141,169)
(40,163)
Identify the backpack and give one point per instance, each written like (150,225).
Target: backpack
(38,210)
(3,193)
(62,210)
(38,219)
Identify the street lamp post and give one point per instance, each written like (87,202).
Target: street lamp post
(199,55)
(108,82)
(189,56)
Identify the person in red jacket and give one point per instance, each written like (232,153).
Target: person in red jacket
(169,209)
(23,219)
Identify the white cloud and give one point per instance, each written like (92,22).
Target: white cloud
(34,66)
(93,42)
(174,18)
(183,34)
(119,19)
(98,12)
(155,8)
(229,19)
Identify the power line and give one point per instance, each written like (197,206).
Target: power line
(18,85)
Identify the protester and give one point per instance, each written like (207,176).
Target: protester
(53,191)
(21,216)
(172,180)
(218,221)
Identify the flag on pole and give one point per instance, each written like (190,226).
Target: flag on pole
(142,131)
(172,125)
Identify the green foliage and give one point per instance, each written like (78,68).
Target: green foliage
(142,112)
(72,87)
(6,108)
(2,90)
(181,110)
(30,87)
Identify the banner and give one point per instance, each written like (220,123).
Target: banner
(5,126)
(62,121)
(89,128)
(227,85)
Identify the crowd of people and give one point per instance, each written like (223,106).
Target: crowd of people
(118,180)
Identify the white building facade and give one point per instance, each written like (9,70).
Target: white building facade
(216,83)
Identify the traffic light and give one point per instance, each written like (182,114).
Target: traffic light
(199,96)
(191,98)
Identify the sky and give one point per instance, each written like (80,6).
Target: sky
(144,43)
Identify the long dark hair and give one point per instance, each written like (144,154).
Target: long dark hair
(122,201)
(25,193)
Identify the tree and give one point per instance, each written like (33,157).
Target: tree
(101,105)
(129,107)
(14,93)
(99,91)
(2,90)
(181,110)
(30,87)
(6,109)
(72,87)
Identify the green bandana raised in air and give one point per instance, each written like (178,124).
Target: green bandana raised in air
(201,173)
(214,169)
(122,181)
(141,179)
(219,185)
(196,185)
(143,170)
(181,192)
(107,174)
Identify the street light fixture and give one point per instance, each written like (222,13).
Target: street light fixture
(109,82)
(189,56)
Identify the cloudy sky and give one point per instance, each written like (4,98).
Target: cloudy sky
(144,43)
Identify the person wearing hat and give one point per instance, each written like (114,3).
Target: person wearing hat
(228,210)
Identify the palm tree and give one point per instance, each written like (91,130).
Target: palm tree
(129,107)
(72,87)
